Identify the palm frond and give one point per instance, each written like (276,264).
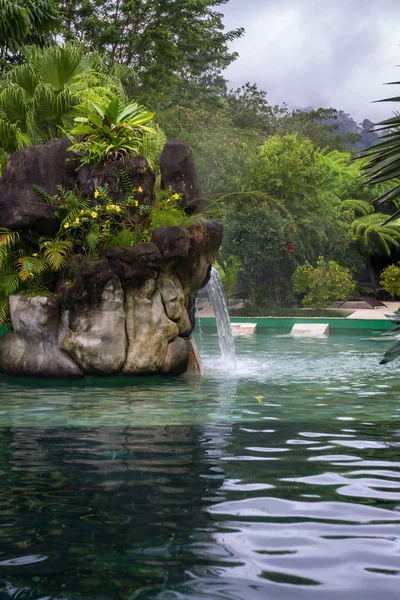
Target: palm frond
(8,238)
(55,252)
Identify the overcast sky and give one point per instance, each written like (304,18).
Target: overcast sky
(319,52)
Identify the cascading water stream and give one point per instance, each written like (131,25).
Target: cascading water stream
(218,303)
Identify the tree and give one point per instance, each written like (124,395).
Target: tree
(166,42)
(257,236)
(24,22)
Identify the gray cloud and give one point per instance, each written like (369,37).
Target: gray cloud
(319,53)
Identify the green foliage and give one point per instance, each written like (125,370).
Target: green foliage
(39,98)
(166,211)
(383,159)
(257,237)
(376,235)
(111,132)
(390,279)
(25,22)
(322,284)
(229,271)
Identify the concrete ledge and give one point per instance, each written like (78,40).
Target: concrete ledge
(310,329)
(243,328)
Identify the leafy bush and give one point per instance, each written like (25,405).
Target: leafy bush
(110,132)
(322,284)
(390,279)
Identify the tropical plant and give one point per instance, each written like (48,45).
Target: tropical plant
(25,22)
(390,279)
(376,234)
(28,264)
(39,98)
(322,284)
(111,132)
(383,159)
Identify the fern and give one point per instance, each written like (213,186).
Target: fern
(9,283)
(93,240)
(4,311)
(373,227)
(125,238)
(360,207)
(126,183)
(42,195)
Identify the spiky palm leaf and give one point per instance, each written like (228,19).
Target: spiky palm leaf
(374,228)
(57,66)
(383,159)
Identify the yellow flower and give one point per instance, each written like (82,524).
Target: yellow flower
(96,194)
(82,212)
(140,189)
(35,254)
(118,208)
(136,203)
(93,214)
(109,207)
(176,196)
(66,225)
(77,220)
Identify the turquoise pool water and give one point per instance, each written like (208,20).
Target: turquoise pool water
(280,480)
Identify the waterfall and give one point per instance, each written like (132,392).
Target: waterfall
(218,302)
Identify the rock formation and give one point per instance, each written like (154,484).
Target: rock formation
(131,311)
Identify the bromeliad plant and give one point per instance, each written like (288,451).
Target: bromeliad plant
(111,132)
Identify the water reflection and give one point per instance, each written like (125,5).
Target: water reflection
(173,488)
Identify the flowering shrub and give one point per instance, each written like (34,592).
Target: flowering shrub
(322,284)
(390,279)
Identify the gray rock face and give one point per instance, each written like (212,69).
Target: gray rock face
(95,336)
(32,347)
(148,328)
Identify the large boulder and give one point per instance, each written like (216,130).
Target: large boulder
(148,328)
(90,178)
(32,348)
(173,242)
(95,334)
(139,261)
(47,165)
(178,172)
